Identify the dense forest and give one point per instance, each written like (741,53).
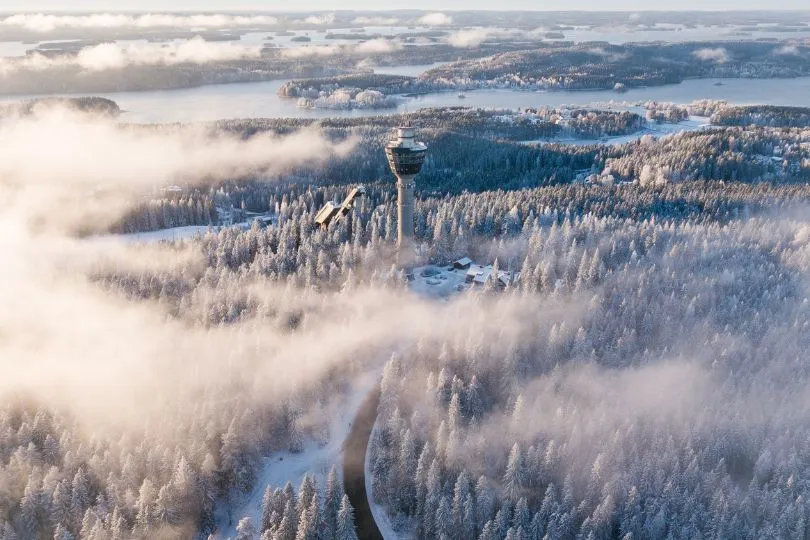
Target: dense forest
(474,150)
(763,115)
(692,324)
(84,105)
(388,84)
(573,244)
(604,66)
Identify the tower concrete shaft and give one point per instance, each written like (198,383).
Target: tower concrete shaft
(405,200)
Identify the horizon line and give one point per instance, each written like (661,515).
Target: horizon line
(448,10)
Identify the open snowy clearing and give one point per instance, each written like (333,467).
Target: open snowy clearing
(695,123)
(172,234)
(168,235)
(438,281)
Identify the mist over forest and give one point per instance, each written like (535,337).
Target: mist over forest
(589,322)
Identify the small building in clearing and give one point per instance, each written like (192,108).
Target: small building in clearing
(479,275)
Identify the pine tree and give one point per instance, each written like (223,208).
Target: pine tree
(345,521)
(290,495)
(485,502)
(503,519)
(467,528)
(522,517)
(288,527)
(475,399)
(514,480)
(444,519)
(407,470)
(488,532)
(268,508)
(306,493)
(454,413)
(245,530)
(166,507)
(60,533)
(60,504)
(81,497)
(332,500)
(493,283)
(422,470)
(536,528)
(145,507)
(461,493)
(29,508)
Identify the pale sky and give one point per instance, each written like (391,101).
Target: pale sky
(301,5)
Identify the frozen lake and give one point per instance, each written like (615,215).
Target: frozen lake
(257,100)
(675,33)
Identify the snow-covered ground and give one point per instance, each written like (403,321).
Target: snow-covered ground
(167,235)
(445,281)
(653,129)
(172,234)
(317,460)
(314,460)
(695,123)
(438,281)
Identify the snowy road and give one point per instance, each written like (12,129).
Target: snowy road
(354,467)
(315,460)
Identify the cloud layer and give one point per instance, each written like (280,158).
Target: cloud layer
(116,56)
(435,19)
(58,154)
(71,345)
(43,22)
(376,21)
(370,47)
(717,55)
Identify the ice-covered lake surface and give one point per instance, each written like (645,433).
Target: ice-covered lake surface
(616,34)
(270,39)
(677,33)
(259,100)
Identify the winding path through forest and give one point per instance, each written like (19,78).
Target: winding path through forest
(354,457)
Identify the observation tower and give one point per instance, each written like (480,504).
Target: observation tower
(405,157)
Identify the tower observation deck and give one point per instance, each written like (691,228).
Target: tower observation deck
(405,157)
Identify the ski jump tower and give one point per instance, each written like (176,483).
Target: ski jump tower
(405,157)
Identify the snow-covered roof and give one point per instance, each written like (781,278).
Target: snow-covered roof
(326,212)
(480,274)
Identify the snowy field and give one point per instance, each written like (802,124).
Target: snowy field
(172,234)
(695,123)
(168,235)
(438,281)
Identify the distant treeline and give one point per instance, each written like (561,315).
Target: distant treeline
(475,151)
(95,105)
(604,66)
(387,84)
(763,115)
